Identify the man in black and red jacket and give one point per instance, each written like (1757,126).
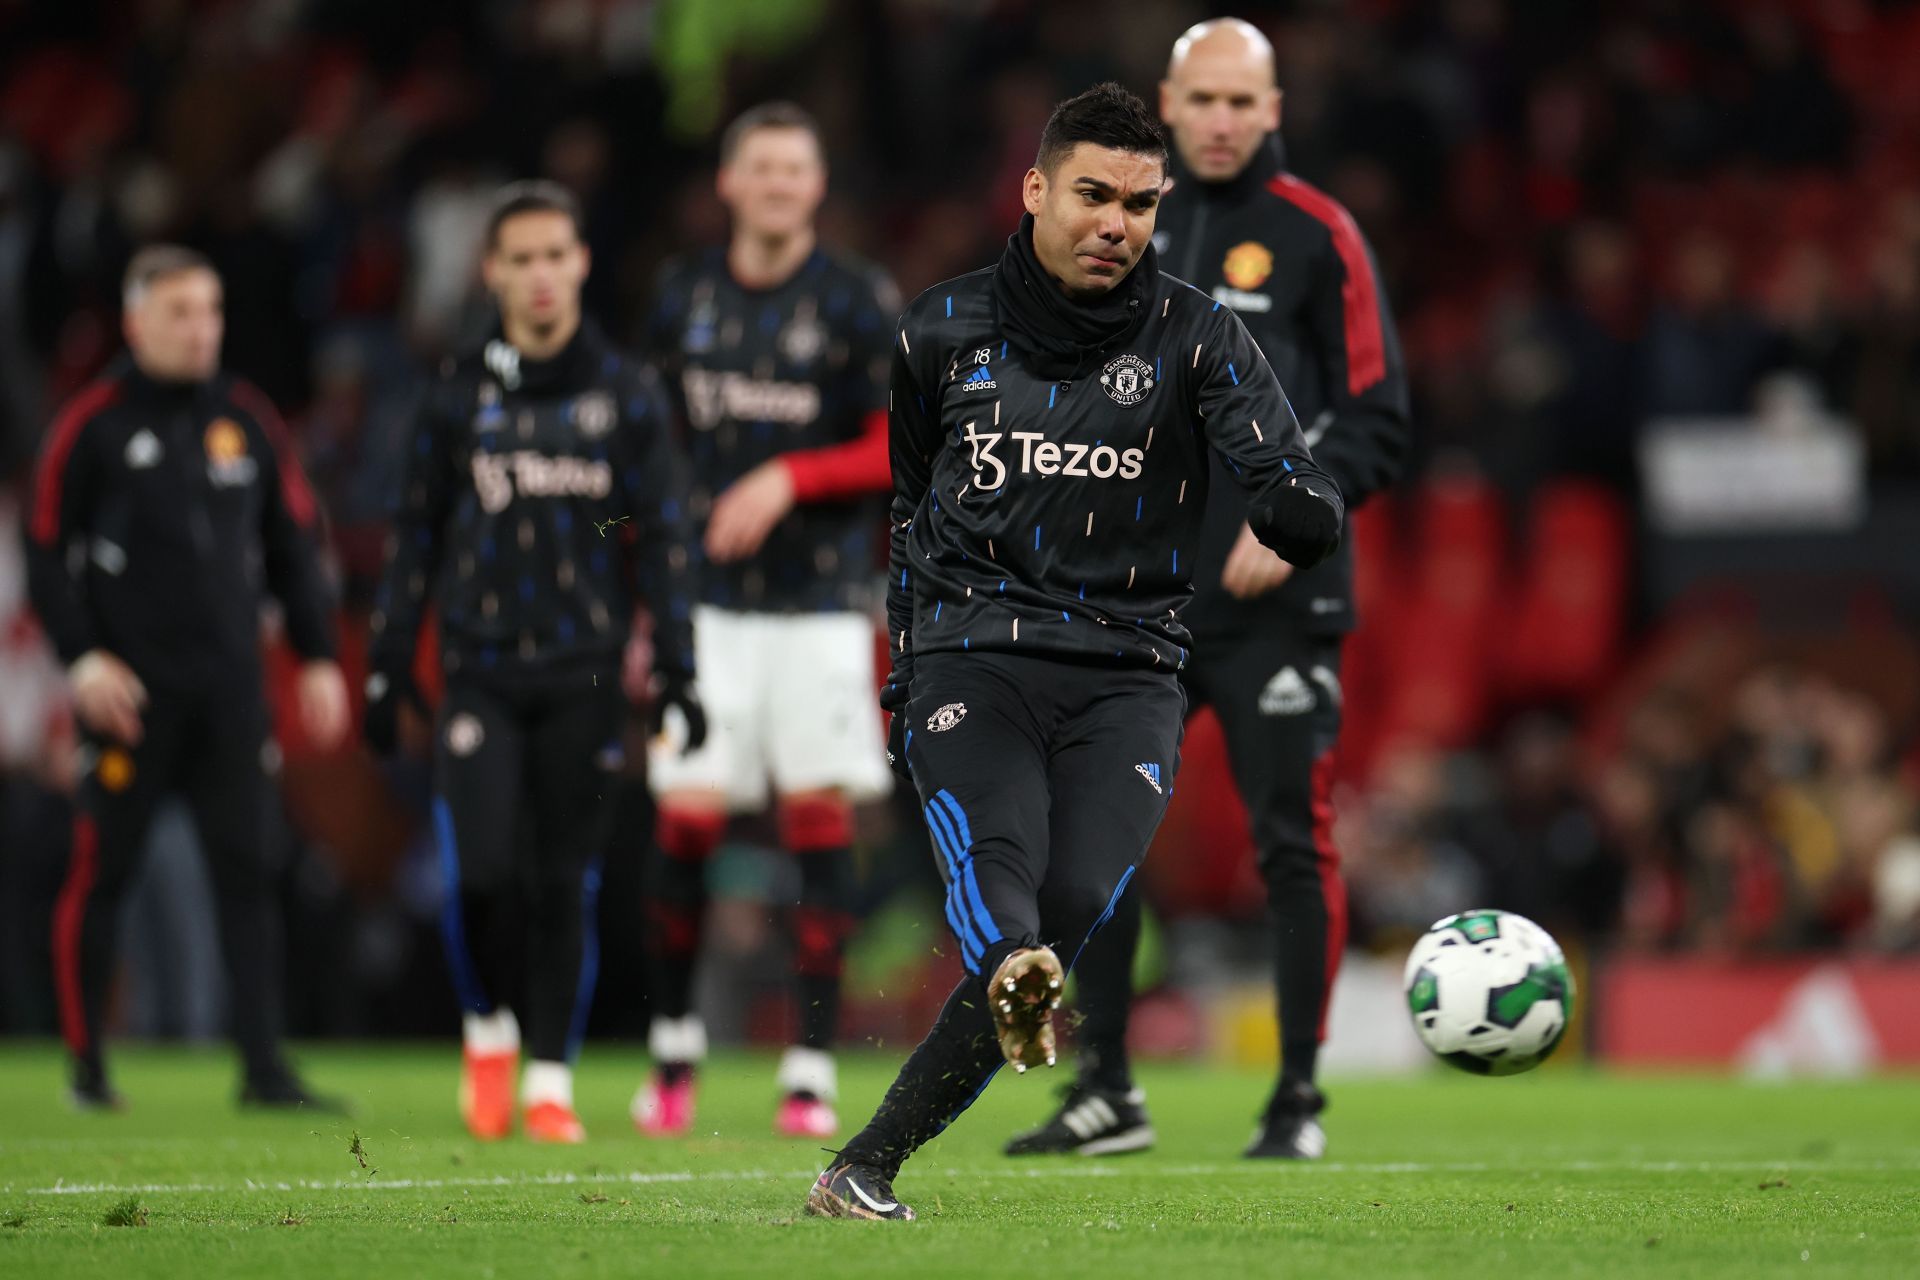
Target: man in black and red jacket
(1266,636)
(167,502)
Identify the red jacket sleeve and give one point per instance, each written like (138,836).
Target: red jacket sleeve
(838,471)
(60,514)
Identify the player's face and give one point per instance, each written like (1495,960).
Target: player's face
(775,182)
(175,328)
(1093,216)
(535,269)
(1220,103)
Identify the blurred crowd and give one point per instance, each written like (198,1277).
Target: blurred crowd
(1588,217)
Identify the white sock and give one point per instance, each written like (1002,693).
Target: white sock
(547,1082)
(677,1039)
(804,1070)
(495,1032)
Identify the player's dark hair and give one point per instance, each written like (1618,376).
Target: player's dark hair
(1106,115)
(768,115)
(535,195)
(156,262)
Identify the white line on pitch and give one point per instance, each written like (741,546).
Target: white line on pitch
(638,1178)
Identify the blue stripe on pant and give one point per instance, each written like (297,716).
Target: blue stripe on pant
(944,839)
(453,927)
(589,957)
(1113,904)
(964,848)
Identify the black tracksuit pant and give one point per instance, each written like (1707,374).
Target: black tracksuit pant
(523,770)
(1278,699)
(1042,782)
(211,747)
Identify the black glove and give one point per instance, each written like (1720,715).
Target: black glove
(1298,522)
(676,690)
(386,692)
(897,745)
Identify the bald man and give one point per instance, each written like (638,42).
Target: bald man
(1267,638)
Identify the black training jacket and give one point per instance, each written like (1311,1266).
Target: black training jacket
(1063,517)
(1291,263)
(759,373)
(542,500)
(161,516)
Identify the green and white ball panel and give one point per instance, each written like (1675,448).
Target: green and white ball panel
(1489,992)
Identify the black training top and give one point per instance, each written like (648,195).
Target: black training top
(756,373)
(1061,515)
(162,512)
(542,498)
(1291,263)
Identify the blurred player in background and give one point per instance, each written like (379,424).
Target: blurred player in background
(167,499)
(542,500)
(1266,637)
(775,351)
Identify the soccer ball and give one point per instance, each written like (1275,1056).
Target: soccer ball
(1489,992)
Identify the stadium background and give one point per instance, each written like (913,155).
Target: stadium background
(1638,656)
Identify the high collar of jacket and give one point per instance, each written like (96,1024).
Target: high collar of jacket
(1058,334)
(573,367)
(1267,162)
(142,388)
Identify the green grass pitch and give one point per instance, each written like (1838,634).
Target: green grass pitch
(1563,1173)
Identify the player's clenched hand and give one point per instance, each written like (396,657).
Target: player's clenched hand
(1298,521)
(678,691)
(387,693)
(1252,569)
(323,704)
(107,696)
(746,511)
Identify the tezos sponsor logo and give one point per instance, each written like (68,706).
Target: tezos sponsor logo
(498,476)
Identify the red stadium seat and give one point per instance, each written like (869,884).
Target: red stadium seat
(1562,638)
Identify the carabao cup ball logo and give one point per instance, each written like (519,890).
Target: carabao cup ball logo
(1127,379)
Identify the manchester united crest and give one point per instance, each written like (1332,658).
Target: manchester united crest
(594,414)
(803,339)
(946,717)
(1127,379)
(1247,265)
(228,463)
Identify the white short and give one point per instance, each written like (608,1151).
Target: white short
(790,700)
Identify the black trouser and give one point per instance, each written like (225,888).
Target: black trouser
(521,776)
(212,749)
(1278,699)
(1042,783)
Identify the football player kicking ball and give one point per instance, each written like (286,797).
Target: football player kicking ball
(775,352)
(1045,519)
(542,501)
(1266,639)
